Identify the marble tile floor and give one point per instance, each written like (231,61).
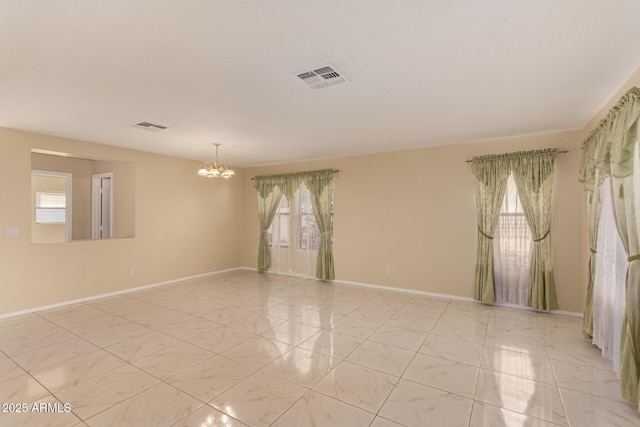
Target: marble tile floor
(249,349)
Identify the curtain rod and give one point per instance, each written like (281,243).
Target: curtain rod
(299,173)
(558,152)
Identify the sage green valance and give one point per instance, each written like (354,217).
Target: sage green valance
(609,147)
(290,182)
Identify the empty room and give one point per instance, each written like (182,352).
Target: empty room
(347,213)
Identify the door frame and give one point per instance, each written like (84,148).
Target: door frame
(68,226)
(95,225)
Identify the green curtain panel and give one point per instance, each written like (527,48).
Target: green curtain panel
(491,174)
(270,189)
(612,149)
(320,185)
(594,209)
(533,174)
(267,207)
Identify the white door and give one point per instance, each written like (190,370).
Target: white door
(102,206)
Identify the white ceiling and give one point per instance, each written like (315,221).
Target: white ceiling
(422,72)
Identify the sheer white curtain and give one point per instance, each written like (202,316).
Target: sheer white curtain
(609,284)
(294,236)
(512,243)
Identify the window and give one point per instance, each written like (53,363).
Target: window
(512,250)
(51,207)
(294,235)
(296,216)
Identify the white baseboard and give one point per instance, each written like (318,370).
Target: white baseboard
(524,307)
(432,294)
(453,297)
(404,290)
(110,294)
(213,273)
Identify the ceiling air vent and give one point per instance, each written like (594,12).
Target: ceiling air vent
(322,77)
(149,126)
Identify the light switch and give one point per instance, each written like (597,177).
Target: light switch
(11,231)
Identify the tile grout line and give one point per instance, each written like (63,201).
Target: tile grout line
(414,356)
(247,292)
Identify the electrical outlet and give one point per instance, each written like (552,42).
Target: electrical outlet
(389,269)
(11,231)
(132,271)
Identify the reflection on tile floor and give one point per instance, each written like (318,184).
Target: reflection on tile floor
(249,349)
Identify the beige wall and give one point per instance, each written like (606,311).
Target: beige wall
(46,233)
(414,210)
(185,225)
(81,170)
(411,210)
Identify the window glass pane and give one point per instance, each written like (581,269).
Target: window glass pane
(279,229)
(294,219)
(511,202)
(309,231)
(512,226)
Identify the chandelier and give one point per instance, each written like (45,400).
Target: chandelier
(215,169)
